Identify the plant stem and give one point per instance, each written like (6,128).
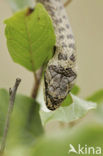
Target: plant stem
(12,93)
(37,76)
(67,2)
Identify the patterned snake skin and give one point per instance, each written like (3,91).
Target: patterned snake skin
(61,72)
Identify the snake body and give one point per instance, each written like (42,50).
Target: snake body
(61,71)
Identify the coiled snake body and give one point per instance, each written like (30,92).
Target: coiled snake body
(60,73)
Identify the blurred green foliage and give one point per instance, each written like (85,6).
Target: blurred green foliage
(96,97)
(4,98)
(25,124)
(30,40)
(90,134)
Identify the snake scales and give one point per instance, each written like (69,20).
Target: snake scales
(61,72)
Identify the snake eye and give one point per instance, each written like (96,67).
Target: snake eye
(72,58)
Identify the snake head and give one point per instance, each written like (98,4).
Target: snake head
(58,83)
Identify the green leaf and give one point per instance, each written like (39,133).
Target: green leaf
(20,4)
(96,97)
(78,109)
(67,101)
(25,124)
(75,90)
(86,135)
(30,37)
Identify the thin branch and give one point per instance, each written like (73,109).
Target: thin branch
(37,76)
(67,2)
(12,93)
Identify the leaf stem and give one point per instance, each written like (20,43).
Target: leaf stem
(12,93)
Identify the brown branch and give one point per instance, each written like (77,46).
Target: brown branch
(67,2)
(12,93)
(37,76)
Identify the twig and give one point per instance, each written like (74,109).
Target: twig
(37,76)
(67,2)
(12,93)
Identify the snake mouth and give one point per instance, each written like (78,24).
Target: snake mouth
(53,103)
